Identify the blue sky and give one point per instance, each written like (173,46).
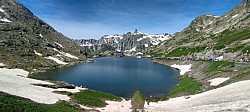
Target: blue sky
(94,18)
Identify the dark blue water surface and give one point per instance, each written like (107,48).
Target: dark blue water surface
(119,76)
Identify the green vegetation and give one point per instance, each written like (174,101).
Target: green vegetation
(186,86)
(182,51)
(235,49)
(9,103)
(93,98)
(138,101)
(246,50)
(227,37)
(158,54)
(217,66)
(154,52)
(219,46)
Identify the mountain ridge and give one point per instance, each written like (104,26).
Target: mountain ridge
(26,41)
(130,43)
(211,36)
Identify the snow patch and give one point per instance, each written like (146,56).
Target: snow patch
(197,29)
(56,60)
(220,58)
(5,20)
(66,54)
(87,44)
(40,35)
(39,54)
(70,55)
(218,81)
(131,50)
(212,16)
(1,10)
(76,90)
(211,22)
(113,106)
(2,65)
(113,36)
(183,68)
(17,72)
(60,45)
(235,16)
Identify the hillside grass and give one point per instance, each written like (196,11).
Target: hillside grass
(217,66)
(228,37)
(234,49)
(246,50)
(9,103)
(186,86)
(184,51)
(93,98)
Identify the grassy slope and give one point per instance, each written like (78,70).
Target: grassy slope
(217,66)
(186,86)
(9,103)
(93,98)
(178,52)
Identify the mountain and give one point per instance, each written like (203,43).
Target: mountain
(210,36)
(130,42)
(28,42)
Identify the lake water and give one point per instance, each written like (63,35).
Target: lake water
(119,76)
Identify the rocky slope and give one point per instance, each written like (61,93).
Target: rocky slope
(29,43)
(209,37)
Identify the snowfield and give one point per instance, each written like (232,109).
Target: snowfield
(231,98)
(37,53)
(218,81)
(66,54)
(15,82)
(5,20)
(56,60)
(183,68)
(123,106)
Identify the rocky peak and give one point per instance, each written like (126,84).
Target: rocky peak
(202,22)
(246,4)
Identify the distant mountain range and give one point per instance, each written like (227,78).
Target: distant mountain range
(130,42)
